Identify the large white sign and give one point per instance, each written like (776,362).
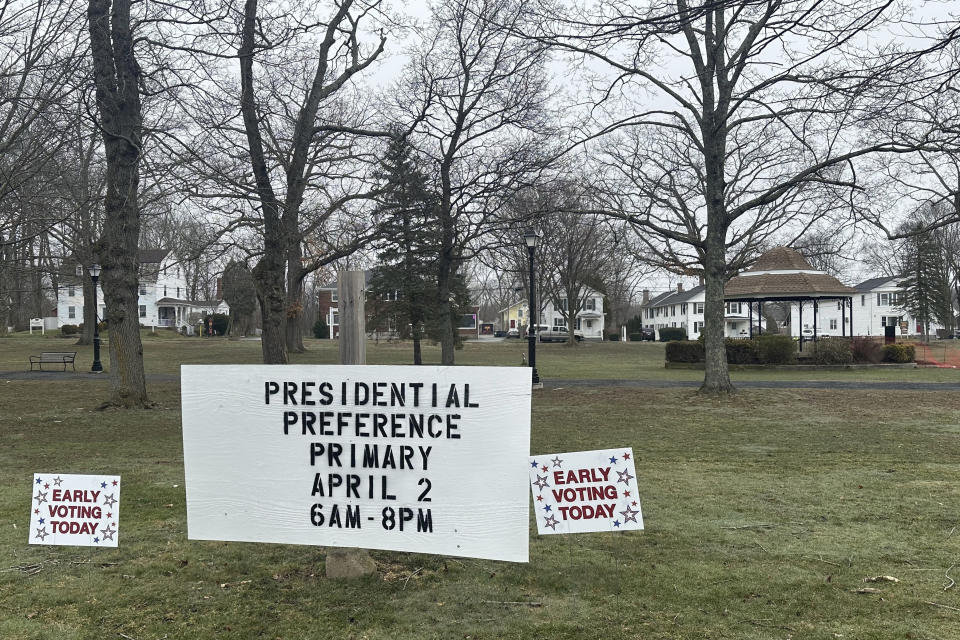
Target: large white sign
(585,491)
(77,510)
(422,459)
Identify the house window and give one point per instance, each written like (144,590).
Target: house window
(883,299)
(143,290)
(79,270)
(143,311)
(333,296)
(683,309)
(71,312)
(336,318)
(838,305)
(590,304)
(697,326)
(673,309)
(889,321)
(698,308)
(589,324)
(578,323)
(863,300)
(71,291)
(178,292)
(164,290)
(558,323)
(520,313)
(833,323)
(563,305)
(733,308)
(895,299)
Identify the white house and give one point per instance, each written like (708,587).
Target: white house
(876,306)
(589,321)
(163,299)
(684,309)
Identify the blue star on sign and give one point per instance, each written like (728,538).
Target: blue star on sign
(532,464)
(41,520)
(616,523)
(97,540)
(546,507)
(39,480)
(103,485)
(613,459)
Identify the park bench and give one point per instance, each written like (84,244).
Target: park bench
(54,357)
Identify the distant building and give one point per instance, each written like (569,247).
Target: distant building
(588,322)
(163,297)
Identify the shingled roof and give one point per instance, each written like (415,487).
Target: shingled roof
(780,273)
(147,256)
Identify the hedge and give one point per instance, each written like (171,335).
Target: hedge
(776,349)
(69,329)
(685,351)
(635,337)
(899,353)
(672,333)
(741,351)
(833,351)
(320,329)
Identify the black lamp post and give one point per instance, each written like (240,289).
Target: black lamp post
(95,275)
(530,237)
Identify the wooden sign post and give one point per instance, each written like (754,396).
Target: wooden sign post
(351,293)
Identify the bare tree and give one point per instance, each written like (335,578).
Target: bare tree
(117,79)
(479,92)
(755,133)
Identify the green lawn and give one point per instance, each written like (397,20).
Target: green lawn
(764,514)
(164,352)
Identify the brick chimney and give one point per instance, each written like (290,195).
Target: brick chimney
(701,280)
(219,295)
(646,296)
(679,287)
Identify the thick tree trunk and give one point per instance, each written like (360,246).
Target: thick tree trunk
(294,313)
(116,76)
(272,298)
(716,377)
(417,352)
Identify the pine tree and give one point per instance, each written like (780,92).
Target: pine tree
(403,288)
(924,288)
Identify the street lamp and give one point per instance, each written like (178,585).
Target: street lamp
(530,238)
(94,271)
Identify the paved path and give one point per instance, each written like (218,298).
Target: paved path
(566,384)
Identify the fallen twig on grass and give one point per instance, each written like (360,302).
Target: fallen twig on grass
(419,569)
(525,604)
(947,575)
(942,606)
(752,526)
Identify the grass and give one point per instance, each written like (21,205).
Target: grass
(164,352)
(764,513)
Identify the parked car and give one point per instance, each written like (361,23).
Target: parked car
(557,334)
(513,333)
(499,333)
(648,333)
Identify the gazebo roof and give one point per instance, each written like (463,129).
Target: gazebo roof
(784,273)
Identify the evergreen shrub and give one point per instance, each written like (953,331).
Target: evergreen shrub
(685,351)
(900,353)
(741,351)
(776,349)
(320,329)
(672,333)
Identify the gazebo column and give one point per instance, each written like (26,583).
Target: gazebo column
(750,317)
(800,327)
(850,300)
(760,317)
(843,317)
(816,310)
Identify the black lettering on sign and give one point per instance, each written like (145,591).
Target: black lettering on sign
(423,495)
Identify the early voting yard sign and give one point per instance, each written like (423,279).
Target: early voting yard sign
(585,491)
(76,510)
(421,459)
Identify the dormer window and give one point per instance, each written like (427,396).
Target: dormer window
(79,271)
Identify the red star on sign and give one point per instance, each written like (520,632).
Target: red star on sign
(626,494)
(539,499)
(626,456)
(634,503)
